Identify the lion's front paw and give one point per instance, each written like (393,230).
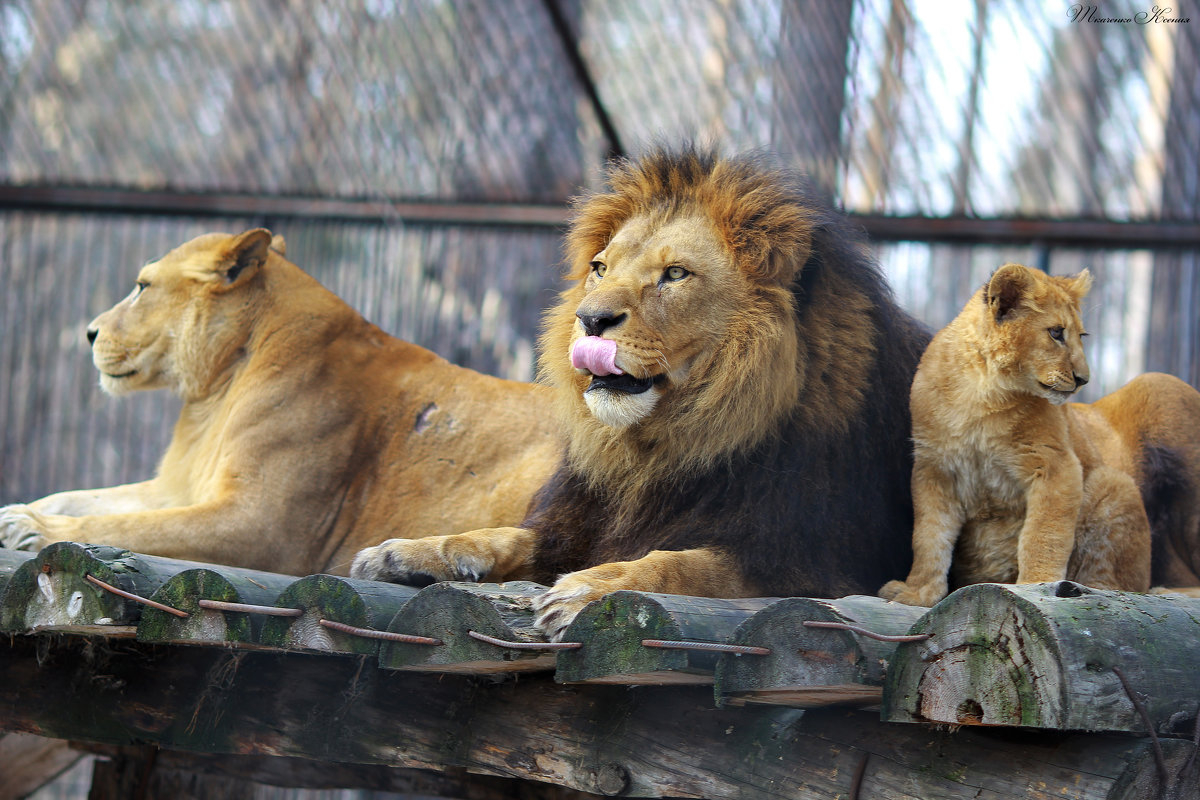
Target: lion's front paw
(557,608)
(21,528)
(901,592)
(418,562)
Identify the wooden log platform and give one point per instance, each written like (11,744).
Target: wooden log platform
(814,666)
(449,613)
(191,590)
(60,587)
(357,609)
(648,638)
(1054,655)
(664,741)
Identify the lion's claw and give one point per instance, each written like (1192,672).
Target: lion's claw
(19,528)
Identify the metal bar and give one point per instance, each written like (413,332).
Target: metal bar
(136,598)
(192,204)
(371,633)
(525,645)
(714,647)
(246,608)
(861,631)
(1140,234)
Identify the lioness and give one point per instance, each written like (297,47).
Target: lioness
(732,374)
(306,433)
(1022,486)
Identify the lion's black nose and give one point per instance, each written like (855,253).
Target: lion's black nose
(92,333)
(596,324)
(1080,381)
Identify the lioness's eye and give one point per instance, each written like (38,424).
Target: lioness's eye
(675,274)
(599,268)
(1056,333)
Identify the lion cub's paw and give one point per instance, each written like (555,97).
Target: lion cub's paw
(417,562)
(21,529)
(900,592)
(557,608)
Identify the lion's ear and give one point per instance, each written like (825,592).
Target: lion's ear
(1007,289)
(1080,285)
(278,244)
(244,256)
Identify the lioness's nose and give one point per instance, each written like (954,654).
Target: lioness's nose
(596,324)
(1080,381)
(92,333)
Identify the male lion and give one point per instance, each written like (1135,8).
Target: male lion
(1028,487)
(733,375)
(306,432)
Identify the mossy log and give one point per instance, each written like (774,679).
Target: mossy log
(364,606)
(1053,655)
(665,741)
(451,611)
(614,631)
(52,588)
(813,666)
(210,625)
(9,561)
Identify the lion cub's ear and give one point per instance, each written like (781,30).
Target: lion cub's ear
(278,244)
(1007,289)
(244,256)
(1080,285)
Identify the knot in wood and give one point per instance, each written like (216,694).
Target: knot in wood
(612,780)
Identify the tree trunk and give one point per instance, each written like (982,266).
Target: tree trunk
(206,625)
(614,628)
(1054,655)
(449,611)
(52,589)
(361,604)
(810,666)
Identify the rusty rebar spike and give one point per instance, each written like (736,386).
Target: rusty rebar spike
(136,598)
(371,633)
(525,645)
(246,608)
(737,649)
(846,626)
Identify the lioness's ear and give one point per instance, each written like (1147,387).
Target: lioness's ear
(246,253)
(278,244)
(1006,290)
(1080,285)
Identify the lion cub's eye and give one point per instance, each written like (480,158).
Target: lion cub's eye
(675,274)
(1056,333)
(599,268)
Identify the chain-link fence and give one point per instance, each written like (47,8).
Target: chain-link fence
(450,134)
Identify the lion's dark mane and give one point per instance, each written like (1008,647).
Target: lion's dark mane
(820,508)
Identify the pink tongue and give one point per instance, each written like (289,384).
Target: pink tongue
(598,356)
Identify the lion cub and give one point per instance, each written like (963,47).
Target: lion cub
(1019,485)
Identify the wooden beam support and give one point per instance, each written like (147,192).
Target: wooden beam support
(1051,655)
(357,604)
(615,628)
(813,666)
(450,611)
(646,742)
(208,625)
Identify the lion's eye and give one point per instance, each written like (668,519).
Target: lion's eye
(675,274)
(599,268)
(1056,333)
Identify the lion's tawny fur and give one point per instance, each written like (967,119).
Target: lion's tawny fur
(1013,484)
(306,433)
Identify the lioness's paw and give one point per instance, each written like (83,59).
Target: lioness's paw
(900,592)
(21,528)
(417,562)
(557,608)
